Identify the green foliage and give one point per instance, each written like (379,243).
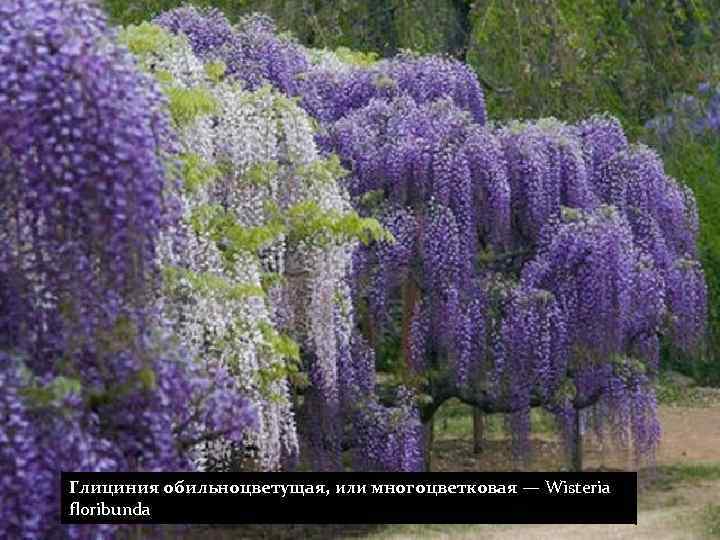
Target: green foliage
(432,26)
(147,378)
(196,172)
(697,163)
(135,11)
(237,237)
(373,200)
(210,283)
(284,347)
(224,229)
(307,220)
(346,55)
(572,58)
(163,77)
(186,104)
(389,355)
(303,222)
(271,279)
(366,25)
(711,517)
(280,344)
(215,70)
(261,174)
(356,58)
(53,392)
(322,171)
(145,38)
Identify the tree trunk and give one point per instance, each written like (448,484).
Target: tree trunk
(577,444)
(429,428)
(478,430)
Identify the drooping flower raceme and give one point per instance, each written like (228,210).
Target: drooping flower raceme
(591,236)
(267,246)
(252,51)
(92,377)
(330,94)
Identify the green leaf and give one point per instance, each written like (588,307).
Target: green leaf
(215,71)
(196,172)
(186,104)
(145,38)
(147,378)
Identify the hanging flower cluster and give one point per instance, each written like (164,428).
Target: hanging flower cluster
(330,94)
(92,377)
(252,52)
(388,439)
(267,244)
(592,233)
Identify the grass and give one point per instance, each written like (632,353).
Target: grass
(696,395)
(668,476)
(454,420)
(711,520)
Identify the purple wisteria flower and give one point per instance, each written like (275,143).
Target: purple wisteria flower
(91,378)
(588,231)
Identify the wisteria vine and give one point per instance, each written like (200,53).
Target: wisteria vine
(537,263)
(92,376)
(194,275)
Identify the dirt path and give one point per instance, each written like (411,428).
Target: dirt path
(690,436)
(674,516)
